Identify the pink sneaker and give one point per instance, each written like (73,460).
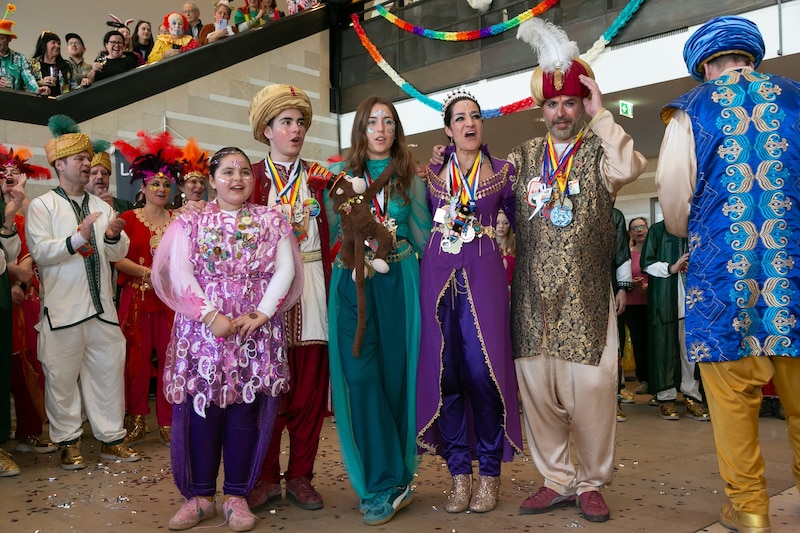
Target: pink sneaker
(238,514)
(194,511)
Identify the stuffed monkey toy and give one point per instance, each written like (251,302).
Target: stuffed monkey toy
(352,199)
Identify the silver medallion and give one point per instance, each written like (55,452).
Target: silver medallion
(561,214)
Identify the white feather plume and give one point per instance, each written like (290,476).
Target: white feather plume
(480,5)
(551,44)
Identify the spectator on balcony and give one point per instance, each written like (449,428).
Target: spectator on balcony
(271,11)
(48,67)
(250,15)
(75,51)
(15,70)
(124,28)
(142,40)
(192,14)
(220,28)
(176,41)
(114,61)
(296,6)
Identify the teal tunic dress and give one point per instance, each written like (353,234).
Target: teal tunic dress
(374,394)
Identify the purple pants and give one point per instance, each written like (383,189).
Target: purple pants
(232,431)
(471,419)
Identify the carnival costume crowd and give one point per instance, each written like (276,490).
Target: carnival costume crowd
(253,315)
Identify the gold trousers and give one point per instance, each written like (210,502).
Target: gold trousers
(733,393)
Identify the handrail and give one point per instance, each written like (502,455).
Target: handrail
(143,82)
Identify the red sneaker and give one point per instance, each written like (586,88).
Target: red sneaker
(301,492)
(263,493)
(593,506)
(545,500)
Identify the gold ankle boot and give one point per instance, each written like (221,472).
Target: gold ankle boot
(743,522)
(458,500)
(485,498)
(165,435)
(136,430)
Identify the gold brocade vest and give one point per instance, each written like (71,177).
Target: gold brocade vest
(562,281)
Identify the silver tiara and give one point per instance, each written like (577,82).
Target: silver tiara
(452,96)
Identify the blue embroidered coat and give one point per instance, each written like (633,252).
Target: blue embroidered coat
(744,227)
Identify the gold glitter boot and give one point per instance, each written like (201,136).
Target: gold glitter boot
(458,500)
(485,498)
(136,429)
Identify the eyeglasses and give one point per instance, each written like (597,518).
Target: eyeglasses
(115,43)
(639,227)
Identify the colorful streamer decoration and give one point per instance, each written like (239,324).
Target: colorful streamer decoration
(622,19)
(469,35)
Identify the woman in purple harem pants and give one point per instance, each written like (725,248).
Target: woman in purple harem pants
(467,403)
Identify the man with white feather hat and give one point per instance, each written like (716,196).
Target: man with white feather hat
(563,313)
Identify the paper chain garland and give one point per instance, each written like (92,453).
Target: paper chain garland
(597,48)
(470,35)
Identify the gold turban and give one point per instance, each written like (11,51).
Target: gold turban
(67,145)
(271,101)
(102,159)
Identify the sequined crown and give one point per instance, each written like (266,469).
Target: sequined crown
(458,94)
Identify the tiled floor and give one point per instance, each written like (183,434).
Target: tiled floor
(665,480)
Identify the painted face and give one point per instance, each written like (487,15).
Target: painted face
(193,188)
(175,25)
(380,132)
(502,226)
(466,126)
(115,46)
(156,191)
(233,181)
(98,179)
(562,116)
(286,135)
(145,33)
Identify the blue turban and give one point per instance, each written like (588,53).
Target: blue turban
(720,36)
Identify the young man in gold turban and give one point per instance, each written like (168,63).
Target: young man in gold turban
(280,115)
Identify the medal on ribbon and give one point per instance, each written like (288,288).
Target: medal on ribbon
(556,174)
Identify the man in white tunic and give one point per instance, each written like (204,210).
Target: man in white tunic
(73,237)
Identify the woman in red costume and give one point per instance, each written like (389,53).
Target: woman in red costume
(27,380)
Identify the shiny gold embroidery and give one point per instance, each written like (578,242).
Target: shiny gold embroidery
(774,233)
(748,292)
(742,121)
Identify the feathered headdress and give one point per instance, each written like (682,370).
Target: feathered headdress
(67,139)
(19,159)
(116,22)
(156,156)
(194,161)
(559,64)
(101,157)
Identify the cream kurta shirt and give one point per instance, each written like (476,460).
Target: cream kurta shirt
(65,294)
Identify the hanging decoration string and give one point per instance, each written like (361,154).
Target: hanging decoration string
(469,35)
(622,19)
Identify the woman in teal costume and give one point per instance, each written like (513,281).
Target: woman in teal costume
(374,394)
